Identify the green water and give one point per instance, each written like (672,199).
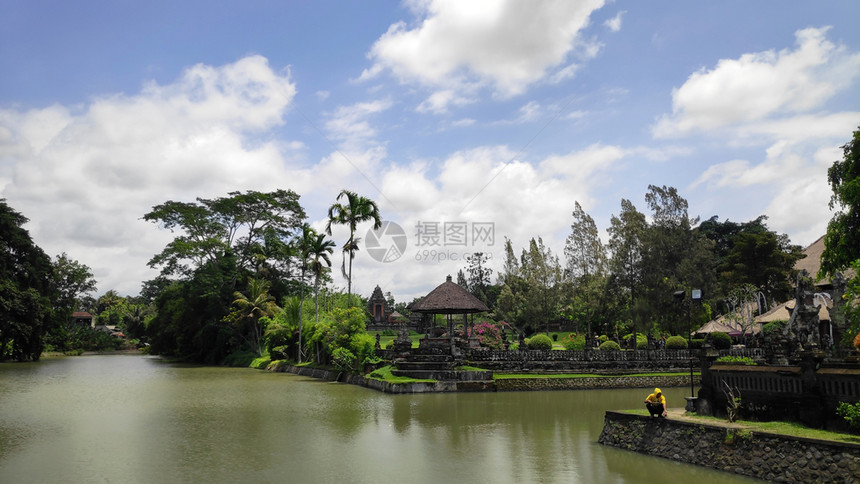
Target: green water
(116,419)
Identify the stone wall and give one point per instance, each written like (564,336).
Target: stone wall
(760,455)
(589,383)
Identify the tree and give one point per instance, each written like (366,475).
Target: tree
(626,239)
(71,281)
(25,289)
(319,252)
(842,240)
(583,250)
(238,224)
(253,306)
(356,210)
(478,280)
(543,275)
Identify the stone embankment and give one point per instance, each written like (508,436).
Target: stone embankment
(590,383)
(512,384)
(731,448)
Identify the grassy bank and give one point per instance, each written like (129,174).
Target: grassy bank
(510,376)
(792,429)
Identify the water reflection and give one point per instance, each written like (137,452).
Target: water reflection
(139,419)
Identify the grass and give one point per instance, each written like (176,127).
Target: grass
(384,374)
(785,428)
(791,429)
(510,376)
(385,340)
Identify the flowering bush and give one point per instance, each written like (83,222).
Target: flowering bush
(574,341)
(489,334)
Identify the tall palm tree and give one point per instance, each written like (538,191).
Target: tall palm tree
(255,305)
(357,209)
(320,249)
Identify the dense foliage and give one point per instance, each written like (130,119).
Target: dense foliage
(25,289)
(676,343)
(720,340)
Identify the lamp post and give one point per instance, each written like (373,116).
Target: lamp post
(695,297)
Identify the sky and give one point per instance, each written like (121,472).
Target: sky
(467,122)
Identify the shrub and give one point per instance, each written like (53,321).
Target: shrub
(740,360)
(489,334)
(773,329)
(602,339)
(696,343)
(676,343)
(720,340)
(514,346)
(574,342)
(539,342)
(343,359)
(851,414)
(261,363)
(641,341)
(363,346)
(609,346)
(279,352)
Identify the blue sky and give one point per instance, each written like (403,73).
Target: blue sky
(503,113)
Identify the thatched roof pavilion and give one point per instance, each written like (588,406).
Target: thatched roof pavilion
(449,298)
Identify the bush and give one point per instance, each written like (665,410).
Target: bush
(539,342)
(676,343)
(720,340)
(574,342)
(602,339)
(773,329)
(609,346)
(697,343)
(363,346)
(489,334)
(260,363)
(851,414)
(279,352)
(641,341)
(514,346)
(343,359)
(740,360)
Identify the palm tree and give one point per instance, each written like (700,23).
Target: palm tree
(357,209)
(256,304)
(319,252)
(311,247)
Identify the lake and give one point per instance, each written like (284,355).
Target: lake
(130,418)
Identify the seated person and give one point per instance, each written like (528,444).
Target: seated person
(656,404)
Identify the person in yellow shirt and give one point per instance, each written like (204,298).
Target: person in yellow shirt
(656,404)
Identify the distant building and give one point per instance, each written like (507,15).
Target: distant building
(378,307)
(82,318)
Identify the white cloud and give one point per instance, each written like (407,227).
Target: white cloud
(350,123)
(505,44)
(614,24)
(485,184)
(760,86)
(85,177)
(439,101)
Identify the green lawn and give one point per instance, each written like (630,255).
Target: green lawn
(384,340)
(509,376)
(384,374)
(784,428)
